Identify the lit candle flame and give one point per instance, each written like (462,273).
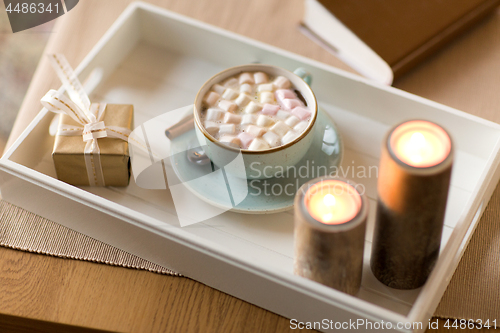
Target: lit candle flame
(416,145)
(333,201)
(418,139)
(329,200)
(420,143)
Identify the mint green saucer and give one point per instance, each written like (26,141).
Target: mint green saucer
(264,196)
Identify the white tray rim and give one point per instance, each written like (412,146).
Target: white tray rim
(448,259)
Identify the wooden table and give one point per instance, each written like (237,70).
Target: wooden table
(43,293)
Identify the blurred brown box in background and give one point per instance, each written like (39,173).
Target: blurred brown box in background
(403,33)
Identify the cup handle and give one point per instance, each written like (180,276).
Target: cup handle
(304,75)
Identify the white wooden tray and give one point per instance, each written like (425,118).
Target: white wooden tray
(157,60)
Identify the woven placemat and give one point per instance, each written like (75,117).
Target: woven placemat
(474,290)
(473,293)
(23,230)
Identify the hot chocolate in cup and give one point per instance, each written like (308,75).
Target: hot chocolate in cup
(255,121)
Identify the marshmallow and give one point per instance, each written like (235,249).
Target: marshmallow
(290,104)
(301,113)
(266,97)
(230,94)
(245,139)
(272,138)
(227,129)
(300,127)
(264,121)
(231,140)
(270,109)
(255,131)
(289,137)
(258,144)
(211,127)
(282,82)
(214,114)
(246,88)
(242,100)
(260,77)
(231,83)
(228,106)
(218,88)
(248,119)
(246,78)
(280,128)
(231,118)
(253,107)
(265,87)
(251,112)
(211,98)
(282,94)
(292,121)
(282,114)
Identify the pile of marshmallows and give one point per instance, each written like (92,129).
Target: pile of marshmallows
(252,112)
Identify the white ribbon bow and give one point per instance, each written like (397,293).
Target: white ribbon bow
(89,115)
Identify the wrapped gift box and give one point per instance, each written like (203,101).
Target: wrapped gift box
(68,153)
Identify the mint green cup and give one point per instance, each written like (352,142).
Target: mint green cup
(261,164)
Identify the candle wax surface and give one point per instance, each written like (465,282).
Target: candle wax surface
(420,143)
(332,202)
